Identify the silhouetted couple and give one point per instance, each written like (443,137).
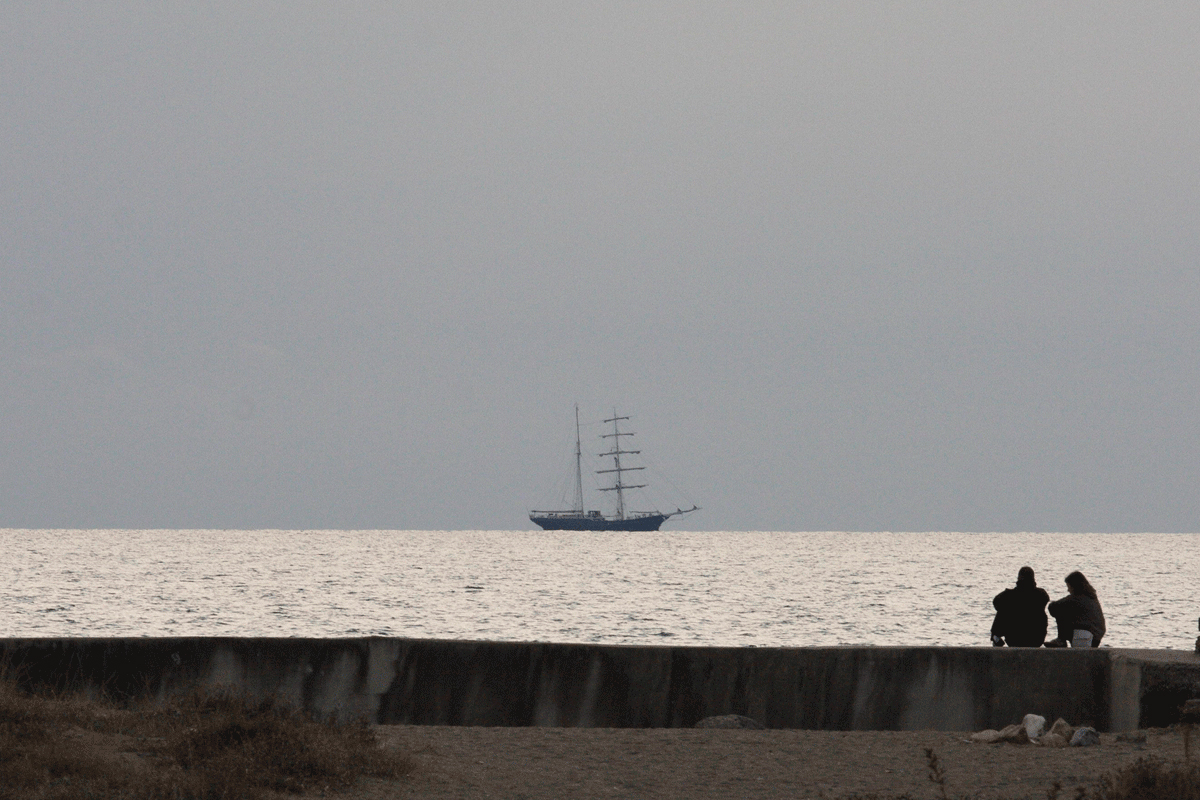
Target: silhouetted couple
(1021,614)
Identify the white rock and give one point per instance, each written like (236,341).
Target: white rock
(1034,725)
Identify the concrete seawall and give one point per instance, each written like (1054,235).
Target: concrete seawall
(437,682)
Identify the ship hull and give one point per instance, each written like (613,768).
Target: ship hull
(650,522)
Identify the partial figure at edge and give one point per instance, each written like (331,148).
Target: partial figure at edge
(1079,616)
(1021,613)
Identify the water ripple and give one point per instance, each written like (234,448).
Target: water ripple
(745,589)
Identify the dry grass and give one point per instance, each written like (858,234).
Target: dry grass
(1145,779)
(216,745)
(1151,779)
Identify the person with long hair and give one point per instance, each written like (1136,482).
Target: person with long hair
(1021,613)
(1079,616)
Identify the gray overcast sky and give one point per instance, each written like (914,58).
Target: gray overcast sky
(850,266)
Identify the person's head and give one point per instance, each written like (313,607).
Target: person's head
(1025,577)
(1077,584)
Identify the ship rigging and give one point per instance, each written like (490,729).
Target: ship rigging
(577,518)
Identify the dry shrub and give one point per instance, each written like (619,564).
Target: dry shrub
(35,751)
(266,744)
(199,747)
(1145,779)
(1151,779)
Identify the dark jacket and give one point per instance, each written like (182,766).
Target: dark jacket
(1079,611)
(1021,615)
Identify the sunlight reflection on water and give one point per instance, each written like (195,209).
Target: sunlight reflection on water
(740,588)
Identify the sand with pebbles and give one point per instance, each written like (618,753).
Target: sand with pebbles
(544,763)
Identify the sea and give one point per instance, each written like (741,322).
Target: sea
(734,588)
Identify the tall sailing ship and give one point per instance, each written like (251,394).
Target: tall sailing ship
(578,519)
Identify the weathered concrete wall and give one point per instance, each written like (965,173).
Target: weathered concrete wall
(435,682)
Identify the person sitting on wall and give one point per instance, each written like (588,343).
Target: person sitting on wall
(1079,616)
(1021,613)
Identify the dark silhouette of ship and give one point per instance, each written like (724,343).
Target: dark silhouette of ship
(578,519)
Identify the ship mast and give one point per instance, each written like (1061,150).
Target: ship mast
(578,467)
(616,454)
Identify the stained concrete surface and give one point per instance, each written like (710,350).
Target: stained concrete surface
(439,682)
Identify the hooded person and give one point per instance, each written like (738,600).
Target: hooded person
(1021,613)
(1079,616)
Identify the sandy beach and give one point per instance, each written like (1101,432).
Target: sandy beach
(544,763)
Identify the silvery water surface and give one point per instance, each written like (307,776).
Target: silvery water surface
(671,587)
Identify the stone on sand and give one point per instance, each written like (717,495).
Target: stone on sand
(731,721)
(1014,734)
(1062,728)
